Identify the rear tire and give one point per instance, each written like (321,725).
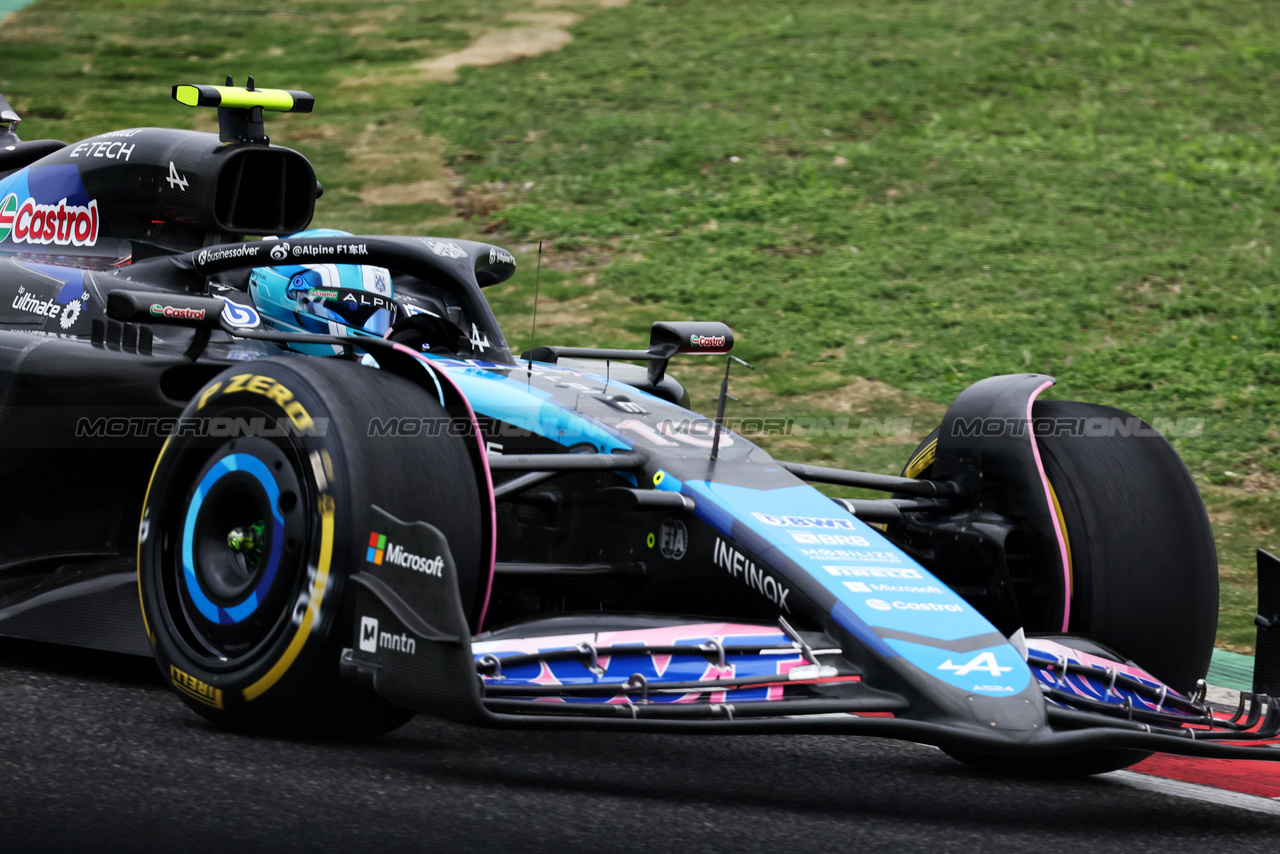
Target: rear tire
(251,636)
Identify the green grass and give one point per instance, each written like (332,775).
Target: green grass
(924,193)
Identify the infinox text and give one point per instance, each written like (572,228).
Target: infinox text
(266,386)
(740,566)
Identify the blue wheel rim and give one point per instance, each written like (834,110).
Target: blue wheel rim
(231,614)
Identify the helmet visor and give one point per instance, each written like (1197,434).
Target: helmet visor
(375,319)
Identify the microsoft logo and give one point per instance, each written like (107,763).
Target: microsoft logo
(377,546)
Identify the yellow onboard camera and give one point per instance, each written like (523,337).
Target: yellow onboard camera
(240,108)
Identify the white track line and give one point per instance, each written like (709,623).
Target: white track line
(1194,791)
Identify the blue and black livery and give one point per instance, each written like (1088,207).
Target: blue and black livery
(343,524)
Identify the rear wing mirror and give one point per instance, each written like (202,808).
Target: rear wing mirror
(667,338)
(169,309)
(693,336)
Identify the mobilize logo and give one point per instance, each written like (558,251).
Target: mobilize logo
(372,638)
(380,550)
(175,313)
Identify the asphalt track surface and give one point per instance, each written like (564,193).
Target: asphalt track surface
(96,755)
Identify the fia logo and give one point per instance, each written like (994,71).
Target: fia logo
(368,634)
(673,539)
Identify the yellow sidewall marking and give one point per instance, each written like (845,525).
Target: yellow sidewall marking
(313,607)
(922,460)
(1066,540)
(146,502)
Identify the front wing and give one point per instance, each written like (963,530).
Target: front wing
(658,674)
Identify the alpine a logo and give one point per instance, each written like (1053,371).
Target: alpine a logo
(48,225)
(175,313)
(381,551)
(984,661)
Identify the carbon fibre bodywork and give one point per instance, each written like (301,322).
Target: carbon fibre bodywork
(648,568)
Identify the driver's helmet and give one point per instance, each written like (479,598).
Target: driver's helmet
(329,299)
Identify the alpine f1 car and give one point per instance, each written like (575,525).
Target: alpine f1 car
(342,500)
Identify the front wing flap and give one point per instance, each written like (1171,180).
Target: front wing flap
(736,678)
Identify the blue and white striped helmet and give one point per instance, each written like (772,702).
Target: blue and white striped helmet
(330,299)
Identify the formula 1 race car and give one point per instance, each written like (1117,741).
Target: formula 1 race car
(343,500)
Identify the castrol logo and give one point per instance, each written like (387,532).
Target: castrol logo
(706,340)
(48,225)
(175,313)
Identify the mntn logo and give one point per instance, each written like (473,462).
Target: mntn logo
(377,547)
(368,634)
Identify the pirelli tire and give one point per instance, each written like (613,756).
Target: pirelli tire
(1144,568)
(1143,564)
(256,515)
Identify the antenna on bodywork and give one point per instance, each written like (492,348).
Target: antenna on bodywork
(533,333)
(8,124)
(724,394)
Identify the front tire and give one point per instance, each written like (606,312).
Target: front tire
(1144,567)
(255,516)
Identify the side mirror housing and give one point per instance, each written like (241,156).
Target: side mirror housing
(170,309)
(669,337)
(694,336)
